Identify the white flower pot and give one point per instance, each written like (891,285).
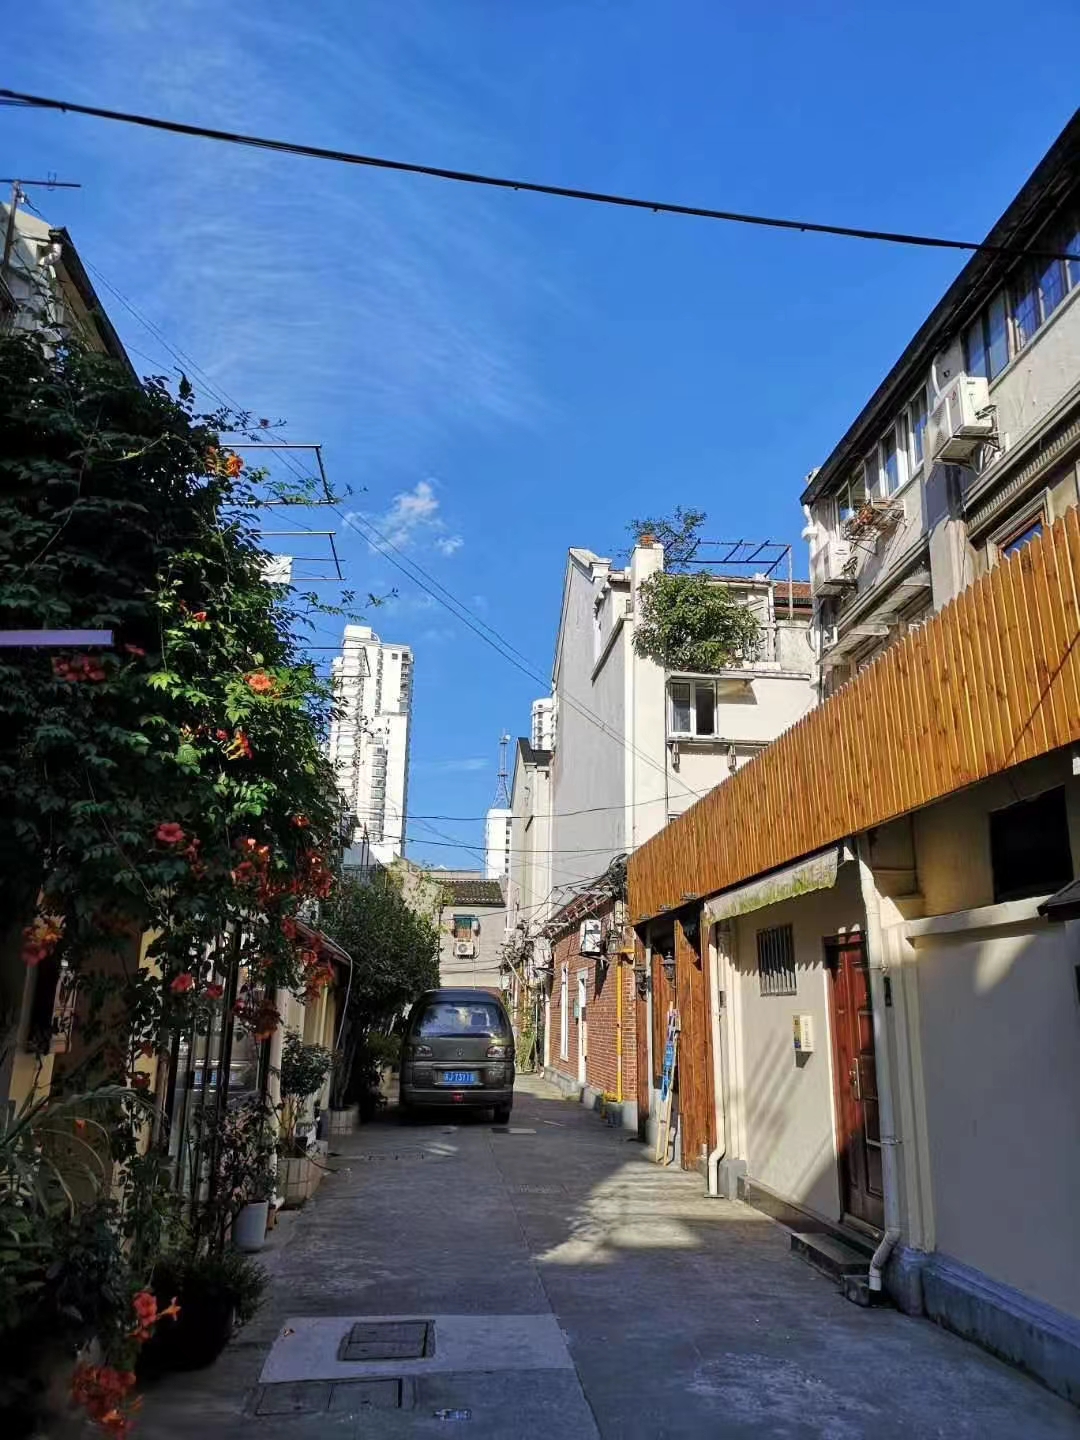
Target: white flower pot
(249,1227)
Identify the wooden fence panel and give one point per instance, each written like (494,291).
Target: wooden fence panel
(991,680)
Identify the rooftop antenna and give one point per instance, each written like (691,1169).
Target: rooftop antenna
(502,790)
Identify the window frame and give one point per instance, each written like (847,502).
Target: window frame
(1036,511)
(692,684)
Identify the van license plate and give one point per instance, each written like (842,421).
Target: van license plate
(459,1077)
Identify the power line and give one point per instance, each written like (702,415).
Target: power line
(449,840)
(498,644)
(411,569)
(500,182)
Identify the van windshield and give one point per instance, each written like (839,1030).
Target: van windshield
(470,1017)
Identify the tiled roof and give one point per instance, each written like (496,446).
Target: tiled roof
(473,892)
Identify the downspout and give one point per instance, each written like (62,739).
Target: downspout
(712,1165)
(618,1030)
(876,966)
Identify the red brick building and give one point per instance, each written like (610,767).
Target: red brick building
(590,1034)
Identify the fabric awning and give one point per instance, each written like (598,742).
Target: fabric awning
(817,872)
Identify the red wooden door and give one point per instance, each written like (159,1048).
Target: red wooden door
(641,1042)
(855,1073)
(697,1114)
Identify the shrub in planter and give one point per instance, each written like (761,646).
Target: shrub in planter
(215,1293)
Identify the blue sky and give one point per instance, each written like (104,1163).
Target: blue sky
(502,375)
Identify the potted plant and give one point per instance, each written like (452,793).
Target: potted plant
(304,1069)
(215,1292)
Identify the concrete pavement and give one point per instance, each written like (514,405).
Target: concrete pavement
(577,1291)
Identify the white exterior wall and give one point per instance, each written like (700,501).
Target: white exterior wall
(999,1037)
(633,762)
(497,844)
(781,1114)
(480,971)
(529,888)
(945,538)
(543,723)
(369,738)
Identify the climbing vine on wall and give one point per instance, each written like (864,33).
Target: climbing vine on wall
(173,784)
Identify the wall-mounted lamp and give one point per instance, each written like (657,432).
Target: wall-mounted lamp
(668,962)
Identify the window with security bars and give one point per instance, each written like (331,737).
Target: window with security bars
(776,960)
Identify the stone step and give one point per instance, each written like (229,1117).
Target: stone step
(831,1256)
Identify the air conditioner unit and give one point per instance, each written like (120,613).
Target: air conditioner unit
(464,949)
(828,567)
(961,420)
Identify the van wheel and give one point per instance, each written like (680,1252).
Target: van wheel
(501,1114)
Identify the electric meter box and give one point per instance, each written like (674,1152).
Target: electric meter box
(803,1027)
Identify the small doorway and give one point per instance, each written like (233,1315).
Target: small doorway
(583,1026)
(858,1131)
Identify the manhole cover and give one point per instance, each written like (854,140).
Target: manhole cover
(321,1397)
(388,1340)
(299,1398)
(351,1395)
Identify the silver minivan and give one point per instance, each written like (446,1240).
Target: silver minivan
(458,1050)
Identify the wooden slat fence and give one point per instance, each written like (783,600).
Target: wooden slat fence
(990,681)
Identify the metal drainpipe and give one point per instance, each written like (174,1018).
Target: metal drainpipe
(882,1062)
(712,1168)
(618,1030)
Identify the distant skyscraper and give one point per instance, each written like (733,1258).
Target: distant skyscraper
(497,826)
(543,723)
(369,740)
(497,844)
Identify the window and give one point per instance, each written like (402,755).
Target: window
(704,710)
(1029,847)
(871,476)
(1072,246)
(680,708)
(692,708)
(1025,308)
(476,1017)
(1030,530)
(853,497)
(776,960)
(997,336)
(1051,287)
(463,927)
(918,429)
(890,464)
(986,341)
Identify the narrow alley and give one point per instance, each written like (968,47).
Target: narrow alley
(576,1290)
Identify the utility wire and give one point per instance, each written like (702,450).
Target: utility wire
(499,182)
(410,568)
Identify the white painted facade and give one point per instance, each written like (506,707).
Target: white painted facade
(472,928)
(369,737)
(46,286)
(528,895)
(629,755)
(542,733)
(497,843)
(942,523)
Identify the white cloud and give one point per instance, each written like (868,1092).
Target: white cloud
(397,302)
(449,544)
(411,510)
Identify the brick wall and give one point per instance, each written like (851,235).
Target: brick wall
(601,1003)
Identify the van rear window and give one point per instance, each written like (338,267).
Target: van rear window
(472,1017)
